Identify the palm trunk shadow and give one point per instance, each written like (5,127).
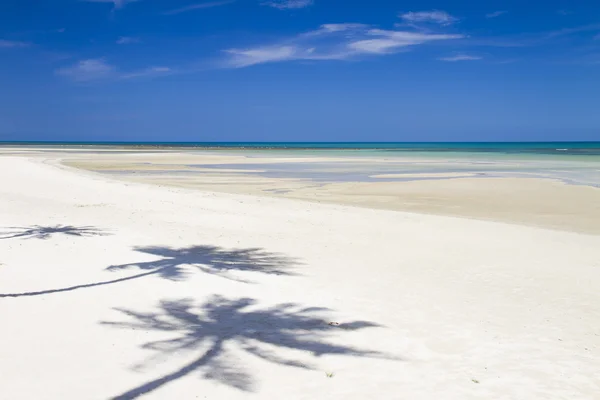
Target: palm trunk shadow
(180,373)
(72,288)
(173,263)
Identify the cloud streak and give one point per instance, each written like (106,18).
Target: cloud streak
(333,42)
(460,57)
(88,70)
(260,55)
(127,40)
(98,69)
(147,73)
(117,3)
(535,38)
(577,29)
(199,6)
(434,16)
(11,44)
(288,4)
(496,14)
(389,41)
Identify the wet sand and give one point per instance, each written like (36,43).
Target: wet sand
(546,203)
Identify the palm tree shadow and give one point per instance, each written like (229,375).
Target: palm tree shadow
(209,327)
(176,264)
(46,232)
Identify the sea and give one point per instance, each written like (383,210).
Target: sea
(532,148)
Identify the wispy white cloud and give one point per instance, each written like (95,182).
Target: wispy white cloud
(148,72)
(577,29)
(97,69)
(535,38)
(460,57)
(330,28)
(390,41)
(127,40)
(88,70)
(245,58)
(116,3)
(301,47)
(7,44)
(199,6)
(333,42)
(240,58)
(288,4)
(434,16)
(496,14)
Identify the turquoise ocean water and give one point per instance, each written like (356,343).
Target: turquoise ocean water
(539,148)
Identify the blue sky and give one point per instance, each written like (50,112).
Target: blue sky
(299,70)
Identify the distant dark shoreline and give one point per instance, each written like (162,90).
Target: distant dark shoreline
(548,148)
(304,145)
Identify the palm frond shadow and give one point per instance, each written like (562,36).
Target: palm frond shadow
(207,328)
(174,263)
(46,232)
(177,264)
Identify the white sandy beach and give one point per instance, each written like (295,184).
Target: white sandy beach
(121,290)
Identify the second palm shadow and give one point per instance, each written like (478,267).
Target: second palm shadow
(177,264)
